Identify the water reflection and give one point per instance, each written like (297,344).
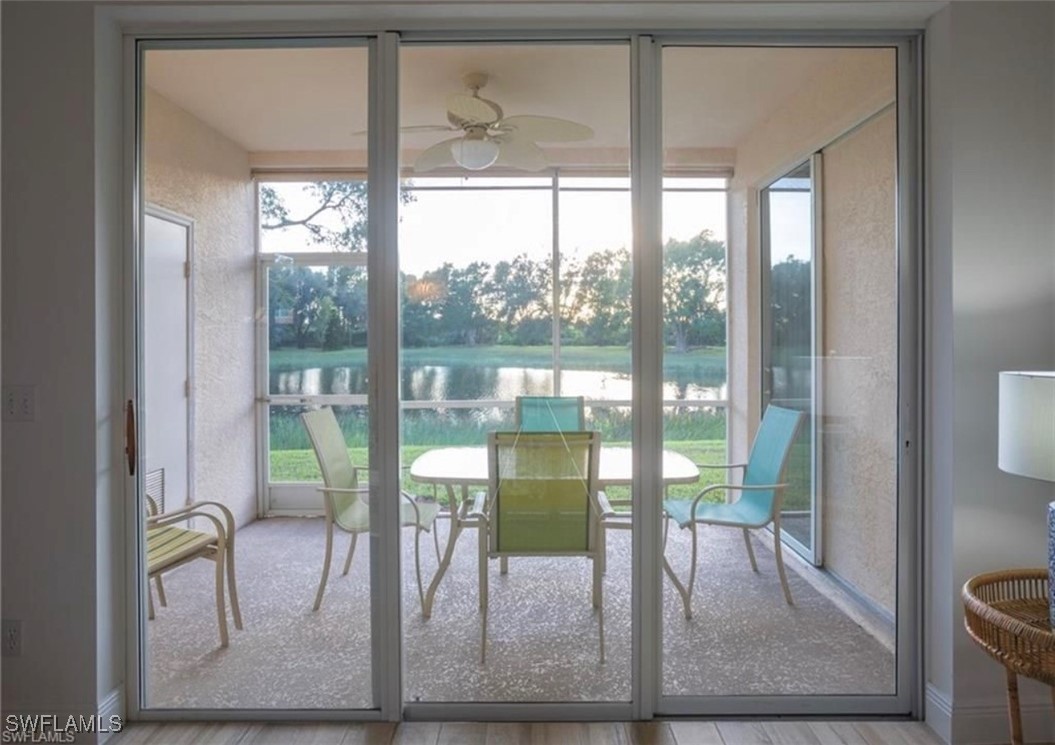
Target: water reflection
(479,382)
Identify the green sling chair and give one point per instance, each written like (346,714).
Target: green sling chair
(542,500)
(346,500)
(758,506)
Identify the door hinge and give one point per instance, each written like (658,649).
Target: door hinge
(186,269)
(186,388)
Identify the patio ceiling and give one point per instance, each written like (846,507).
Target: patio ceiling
(287,104)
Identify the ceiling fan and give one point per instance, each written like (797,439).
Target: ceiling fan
(489,137)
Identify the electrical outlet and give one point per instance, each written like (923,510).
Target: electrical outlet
(20,403)
(11,638)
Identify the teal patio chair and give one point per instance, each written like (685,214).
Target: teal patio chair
(550,414)
(346,500)
(758,506)
(542,500)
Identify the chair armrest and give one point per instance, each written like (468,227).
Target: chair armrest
(479,507)
(726,466)
(731,487)
(336,490)
(198,509)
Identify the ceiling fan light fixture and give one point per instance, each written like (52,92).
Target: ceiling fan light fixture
(474,154)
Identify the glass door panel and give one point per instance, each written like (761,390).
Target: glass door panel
(802,313)
(789,375)
(512,224)
(272,321)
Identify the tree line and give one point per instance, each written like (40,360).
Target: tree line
(506,302)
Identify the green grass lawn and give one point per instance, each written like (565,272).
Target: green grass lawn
(572,357)
(300,465)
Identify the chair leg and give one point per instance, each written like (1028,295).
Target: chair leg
(436,539)
(482,567)
(750,550)
(780,561)
(600,606)
(351,553)
(161,592)
(417,564)
(684,590)
(232,589)
(503,565)
(221,606)
(325,565)
(150,603)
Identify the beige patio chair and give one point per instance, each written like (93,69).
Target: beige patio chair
(170,546)
(542,500)
(347,501)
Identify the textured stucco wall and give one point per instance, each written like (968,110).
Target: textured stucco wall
(196,171)
(860,359)
(836,99)
(831,104)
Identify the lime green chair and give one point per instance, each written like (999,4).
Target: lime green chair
(346,500)
(550,414)
(542,500)
(758,506)
(169,544)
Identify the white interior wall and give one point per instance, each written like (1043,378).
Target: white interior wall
(992,234)
(193,170)
(49,466)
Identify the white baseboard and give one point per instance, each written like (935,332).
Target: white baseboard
(112,705)
(937,713)
(986,724)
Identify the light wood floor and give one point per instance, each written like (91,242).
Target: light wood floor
(535,733)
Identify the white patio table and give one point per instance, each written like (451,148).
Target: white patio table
(460,469)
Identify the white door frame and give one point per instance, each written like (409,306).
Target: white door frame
(647,357)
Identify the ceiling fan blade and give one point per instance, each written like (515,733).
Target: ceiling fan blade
(522,154)
(546,128)
(437,156)
(472,109)
(417,128)
(428,128)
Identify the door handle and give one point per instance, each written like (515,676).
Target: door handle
(130,437)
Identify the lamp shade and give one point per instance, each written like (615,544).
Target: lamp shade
(1027,424)
(474,154)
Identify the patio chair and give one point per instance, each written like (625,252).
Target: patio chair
(346,500)
(758,506)
(170,546)
(550,414)
(542,500)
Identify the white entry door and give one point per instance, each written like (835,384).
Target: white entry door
(166,357)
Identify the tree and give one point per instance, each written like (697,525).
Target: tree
(694,291)
(600,305)
(336,217)
(519,300)
(296,312)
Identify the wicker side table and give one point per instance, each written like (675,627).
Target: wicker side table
(1007,614)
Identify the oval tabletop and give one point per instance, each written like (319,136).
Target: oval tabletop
(468,465)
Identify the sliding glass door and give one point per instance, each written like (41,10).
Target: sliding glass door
(515,264)
(253,293)
(791,317)
(444,346)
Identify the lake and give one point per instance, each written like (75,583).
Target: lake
(468,382)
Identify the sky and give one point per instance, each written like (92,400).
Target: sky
(491,225)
